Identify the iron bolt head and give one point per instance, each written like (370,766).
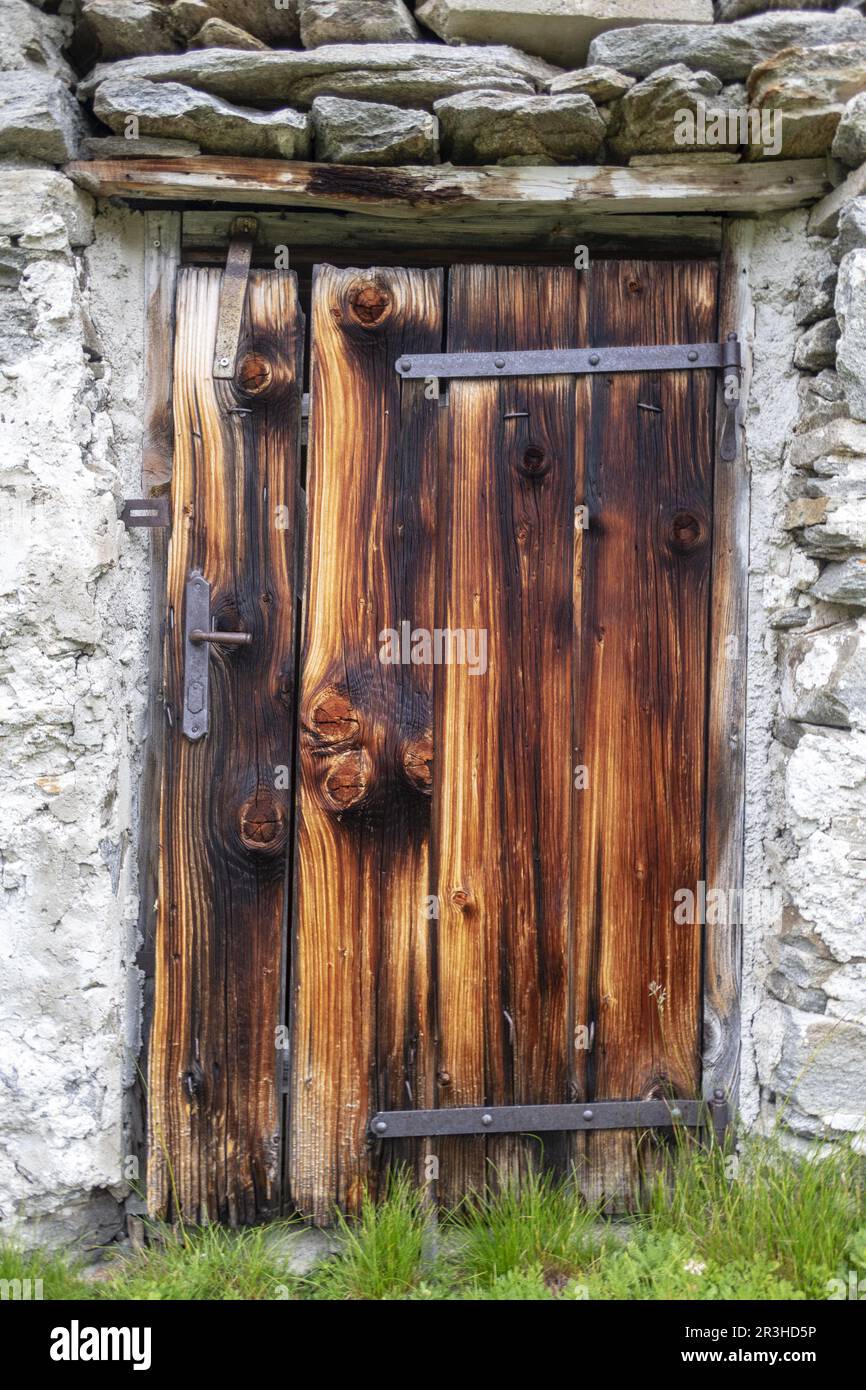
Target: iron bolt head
(487,1119)
(587,1114)
(404,364)
(224,361)
(676,1114)
(693,356)
(594,359)
(380,1126)
(499,361)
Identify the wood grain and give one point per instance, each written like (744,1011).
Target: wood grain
(502,801)
(640,719)
(726,729)
(361,992)
(162,249)
(225,819)
(442,192)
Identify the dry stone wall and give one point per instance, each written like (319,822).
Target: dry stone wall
(379,82)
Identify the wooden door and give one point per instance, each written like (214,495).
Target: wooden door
(214,1094)
(500,736)
(487,859)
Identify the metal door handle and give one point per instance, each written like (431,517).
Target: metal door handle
(198,638)
(228,639)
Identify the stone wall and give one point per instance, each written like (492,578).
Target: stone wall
(383,82)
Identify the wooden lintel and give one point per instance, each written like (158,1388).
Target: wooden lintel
(445,193)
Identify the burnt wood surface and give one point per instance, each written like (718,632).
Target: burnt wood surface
(550,968)
(225,826)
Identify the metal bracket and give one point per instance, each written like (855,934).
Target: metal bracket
(233,292)
(731,397)
(197,640)
(663,357)
(537,1119)
(149,512)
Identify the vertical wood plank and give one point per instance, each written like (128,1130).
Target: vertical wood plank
(726,755)
(162,242)
(225,812)
(641,720)
(502,802)
(361,993)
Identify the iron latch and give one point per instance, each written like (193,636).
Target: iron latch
(199,635)
(538,1119)
(148,512)
(233,291)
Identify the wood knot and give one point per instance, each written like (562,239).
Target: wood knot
(262,821)
(534,462)
(416,757)
(255,374)
(686,531)
(347,781)
(444,1078)
(369,304)
(334,721)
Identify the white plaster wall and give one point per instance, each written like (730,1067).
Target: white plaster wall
(73,593)
(804,979)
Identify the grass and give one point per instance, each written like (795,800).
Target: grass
(780,1227)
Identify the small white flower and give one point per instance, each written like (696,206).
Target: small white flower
(694,1266)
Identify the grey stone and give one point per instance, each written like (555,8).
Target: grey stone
(810,88)
(219,127)
(728,50)
(299,1251)
(816,299)
(559,30)
(486,127)
(406,74)
(646,121)
(816,348)
(840,441)
(851,313)
(118,147)
(824,676)
(187,17)
(39,200)
(822,399)
(39,117)
(843,581)
(599,83)
(30,39)
(349,21)
(849,142)
(804,511)
(218,33)
(276,24)
(364,132)
(726,10)
(851,235)
(690,158)
(111,29)
(843,533)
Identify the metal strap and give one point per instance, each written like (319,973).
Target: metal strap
(233,291)
(150,512)
(536,1119)
(663,357)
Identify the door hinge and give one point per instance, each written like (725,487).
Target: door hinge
(233,291)
(531,1119)
(661,357)
(149,512)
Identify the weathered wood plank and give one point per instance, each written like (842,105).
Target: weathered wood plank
(162,237)
(316,236)
(726,754)
(641,726)
(225,817)
(502,802)
(361,995)
(444,193)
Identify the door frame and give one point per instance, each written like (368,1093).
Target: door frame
(166,247)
